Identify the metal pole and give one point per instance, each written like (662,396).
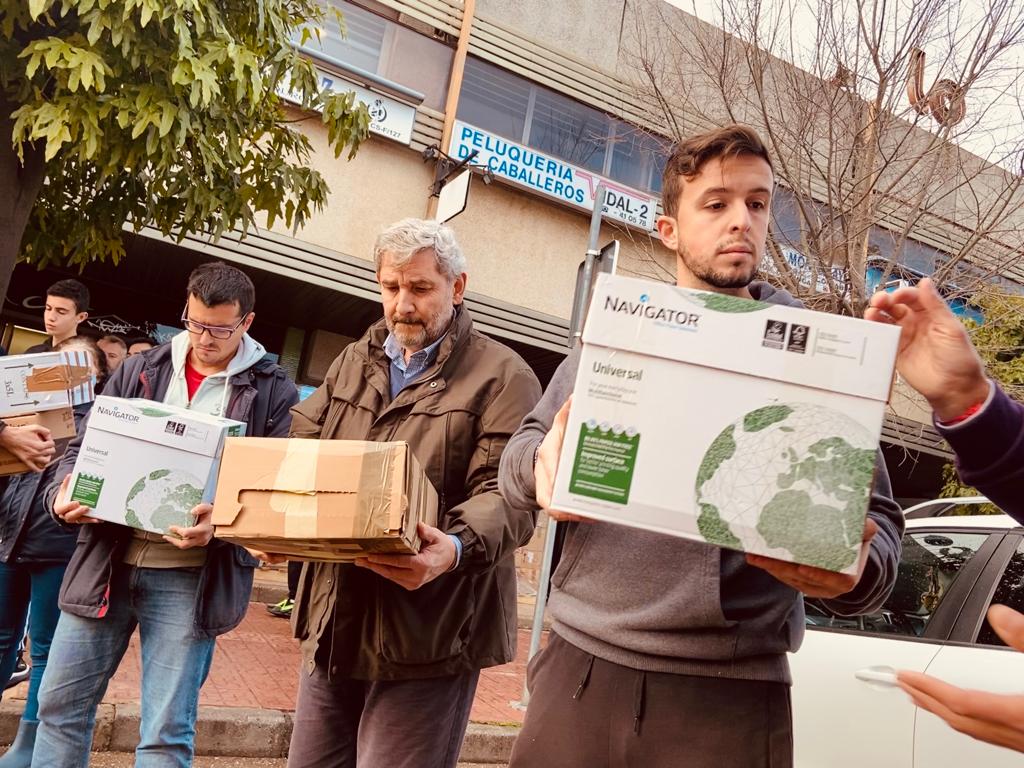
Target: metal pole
(582,298)
(454,86)
(538,608)
(579,310)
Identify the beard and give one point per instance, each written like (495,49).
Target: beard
(419,333)
(706,273)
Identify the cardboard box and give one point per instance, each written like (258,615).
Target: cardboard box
(61,424)
(83,383)
(146,464)
(331,500)
(747,425)
(44,381)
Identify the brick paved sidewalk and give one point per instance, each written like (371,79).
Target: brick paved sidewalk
(257,665)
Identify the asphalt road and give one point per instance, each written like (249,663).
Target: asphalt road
(126,760)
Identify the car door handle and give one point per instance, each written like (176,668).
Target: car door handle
(883,676)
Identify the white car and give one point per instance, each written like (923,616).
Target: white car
(846,712)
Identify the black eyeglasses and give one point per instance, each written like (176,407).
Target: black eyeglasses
(216,331)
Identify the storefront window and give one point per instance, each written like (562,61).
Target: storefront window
(494,100)
(362,45)
(510,106)
(568,130)
(387,49)
(638,157)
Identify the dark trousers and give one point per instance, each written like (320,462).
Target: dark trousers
(589,713)
(348,723)
(294,572)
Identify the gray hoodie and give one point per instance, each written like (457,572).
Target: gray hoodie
(664,604)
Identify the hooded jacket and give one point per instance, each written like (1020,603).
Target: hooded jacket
(659,603)
(149,549)
(214,392)
(28,533)
(261,395)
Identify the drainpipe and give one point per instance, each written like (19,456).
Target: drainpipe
(454,87)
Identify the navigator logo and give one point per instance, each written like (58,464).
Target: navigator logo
(643,308)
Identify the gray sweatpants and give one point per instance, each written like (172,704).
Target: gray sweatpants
(589,713)
(380,724)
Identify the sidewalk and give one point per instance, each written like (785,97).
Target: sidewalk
(246,704)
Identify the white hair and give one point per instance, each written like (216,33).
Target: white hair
(404,239)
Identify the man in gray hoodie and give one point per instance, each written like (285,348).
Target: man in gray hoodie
(666,651)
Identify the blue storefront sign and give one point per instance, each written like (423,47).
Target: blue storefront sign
(546,175)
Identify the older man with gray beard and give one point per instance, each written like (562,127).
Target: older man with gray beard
(393,645)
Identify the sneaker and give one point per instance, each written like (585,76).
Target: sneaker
(282,610)
(20,674)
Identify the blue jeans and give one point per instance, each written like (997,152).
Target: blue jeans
(28,590)
(86,652)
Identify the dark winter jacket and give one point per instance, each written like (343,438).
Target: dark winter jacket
(261,397)
(28,534)
(457,418)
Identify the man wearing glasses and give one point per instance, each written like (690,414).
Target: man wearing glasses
(180,590)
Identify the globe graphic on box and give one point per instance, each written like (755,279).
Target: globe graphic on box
(163,498)
(792,477)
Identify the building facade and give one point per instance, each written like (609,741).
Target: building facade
(541,92)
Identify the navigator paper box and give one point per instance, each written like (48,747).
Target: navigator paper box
(146,464)
(747,425)
(44,381)
(331,500)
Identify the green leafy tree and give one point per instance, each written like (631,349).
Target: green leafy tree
(1000,342)
(161,113)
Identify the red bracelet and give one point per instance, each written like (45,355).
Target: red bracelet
(965,415)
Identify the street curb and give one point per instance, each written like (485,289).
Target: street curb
(268,592)
(247,732)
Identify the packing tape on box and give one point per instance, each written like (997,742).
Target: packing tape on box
(297,470)
(374,489)
(296,497)
(51,378)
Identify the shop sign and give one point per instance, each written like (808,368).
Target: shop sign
(537,172)
(388,117)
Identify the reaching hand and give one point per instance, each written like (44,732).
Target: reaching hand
(30,444)
(935,354)
(994,718)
